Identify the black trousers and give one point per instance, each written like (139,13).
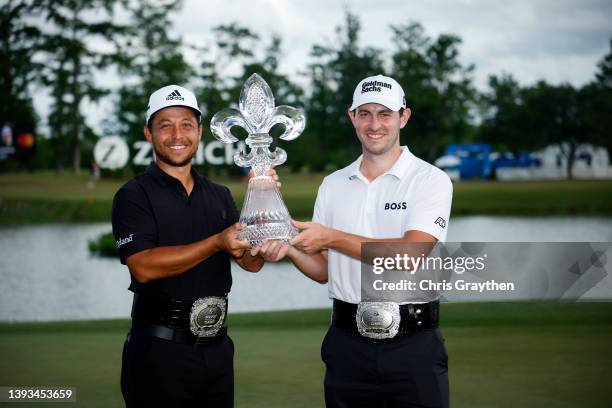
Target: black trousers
(408,371)
(162,373)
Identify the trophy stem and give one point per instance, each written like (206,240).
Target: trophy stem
(265,213)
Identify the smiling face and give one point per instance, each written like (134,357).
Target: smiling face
(175,135)
(378,127)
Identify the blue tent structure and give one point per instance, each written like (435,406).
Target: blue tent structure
(473,160)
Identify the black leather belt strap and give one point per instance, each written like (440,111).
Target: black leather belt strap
(183,336)
(167,319)
(414,316)
(165,312)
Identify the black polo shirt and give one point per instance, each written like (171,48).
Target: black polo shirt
(153,209)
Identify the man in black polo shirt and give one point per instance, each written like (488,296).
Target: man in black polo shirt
(176,231)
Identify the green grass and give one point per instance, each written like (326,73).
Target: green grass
(533,198)
(49,197)
(501,355)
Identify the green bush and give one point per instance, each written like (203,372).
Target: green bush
(104,245)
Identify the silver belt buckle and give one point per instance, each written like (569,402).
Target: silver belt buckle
(207,316)
(378,320)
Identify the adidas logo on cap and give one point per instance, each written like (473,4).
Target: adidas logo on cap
(170,96)
(175,96)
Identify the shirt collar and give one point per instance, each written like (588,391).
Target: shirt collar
(353,170)
(167,180)
(397,170)
(401,164)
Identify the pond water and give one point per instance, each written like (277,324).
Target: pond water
(47,273)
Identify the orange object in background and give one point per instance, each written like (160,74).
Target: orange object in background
(25,140)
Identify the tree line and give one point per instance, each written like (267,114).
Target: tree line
(65,46)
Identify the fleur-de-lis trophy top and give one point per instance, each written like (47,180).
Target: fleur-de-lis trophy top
(257,114)
(264,212)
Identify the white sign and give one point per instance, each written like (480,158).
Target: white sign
(111,152)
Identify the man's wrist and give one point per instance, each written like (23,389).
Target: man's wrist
(293,253)
(331,237)
(217,242)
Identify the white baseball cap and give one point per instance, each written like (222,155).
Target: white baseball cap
(171,95)
(379,89)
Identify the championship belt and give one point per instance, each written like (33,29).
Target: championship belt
(207,316)
(378,320)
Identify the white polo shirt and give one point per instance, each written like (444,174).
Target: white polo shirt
(411,195)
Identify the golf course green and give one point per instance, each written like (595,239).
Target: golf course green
(500,355)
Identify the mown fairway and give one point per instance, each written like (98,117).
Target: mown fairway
(49,197)
(501,355)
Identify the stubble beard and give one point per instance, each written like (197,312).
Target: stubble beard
(167,160)
(381,150)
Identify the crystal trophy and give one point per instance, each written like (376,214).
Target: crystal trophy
(264,211)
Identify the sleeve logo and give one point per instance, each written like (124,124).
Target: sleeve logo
(123,241)
(441,222)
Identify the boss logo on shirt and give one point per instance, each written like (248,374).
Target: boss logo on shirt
(441,222)
(396,206)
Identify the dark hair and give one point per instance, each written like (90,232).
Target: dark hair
(400,111)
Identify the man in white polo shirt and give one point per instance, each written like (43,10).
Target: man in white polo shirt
(387,194)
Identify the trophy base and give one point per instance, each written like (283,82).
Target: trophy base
(259,234)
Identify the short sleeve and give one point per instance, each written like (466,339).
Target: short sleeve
(233,215)
(134,225)
(318,214)
(430,211)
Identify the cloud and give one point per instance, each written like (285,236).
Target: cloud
(559,40)
(520,36)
